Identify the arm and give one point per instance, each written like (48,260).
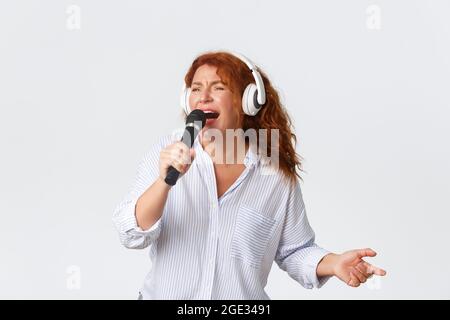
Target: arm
(150,204)
(131,234)
(297,252)
(311,265)
(138,216)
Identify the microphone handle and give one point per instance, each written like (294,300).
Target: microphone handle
(188,138)
(172,176)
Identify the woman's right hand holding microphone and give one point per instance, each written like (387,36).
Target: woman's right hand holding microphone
(177,155)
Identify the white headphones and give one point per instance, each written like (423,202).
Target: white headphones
(254,96)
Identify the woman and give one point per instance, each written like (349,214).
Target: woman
(215,234)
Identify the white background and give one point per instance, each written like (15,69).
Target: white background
(79,108)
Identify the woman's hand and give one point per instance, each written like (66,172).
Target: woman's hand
(349,266)
(177,155)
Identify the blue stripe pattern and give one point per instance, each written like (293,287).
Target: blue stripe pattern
(205,247)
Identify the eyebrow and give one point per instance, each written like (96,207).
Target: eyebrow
(212,83)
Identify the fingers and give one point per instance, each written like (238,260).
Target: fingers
(361,272)
(361,268)
(370,269)
(354,281)
(359,275)
(367,267)
(178,152)
(174,161)
(356,270)
(192,153)
(181,167)
(367,252)
(177,155)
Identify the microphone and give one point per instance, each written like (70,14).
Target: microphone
(195,122)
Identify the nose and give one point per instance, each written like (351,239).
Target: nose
(205,96)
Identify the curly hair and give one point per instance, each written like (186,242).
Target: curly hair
(236,75)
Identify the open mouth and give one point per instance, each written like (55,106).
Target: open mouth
(211,114)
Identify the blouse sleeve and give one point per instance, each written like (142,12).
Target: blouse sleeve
(297,252)
(132,236)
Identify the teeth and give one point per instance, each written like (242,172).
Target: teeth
(211,115)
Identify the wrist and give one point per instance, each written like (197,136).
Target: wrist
(327,265)
(162,182)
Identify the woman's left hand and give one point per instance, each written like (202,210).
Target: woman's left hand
(353,270)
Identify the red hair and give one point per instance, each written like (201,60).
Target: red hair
(236,76)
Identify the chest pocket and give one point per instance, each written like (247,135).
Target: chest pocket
(251,236)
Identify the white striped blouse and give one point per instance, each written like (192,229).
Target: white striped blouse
(205,247)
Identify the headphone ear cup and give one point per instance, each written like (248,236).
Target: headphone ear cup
(184,100)
(250,104)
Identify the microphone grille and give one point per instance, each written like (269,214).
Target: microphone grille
(196,115)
